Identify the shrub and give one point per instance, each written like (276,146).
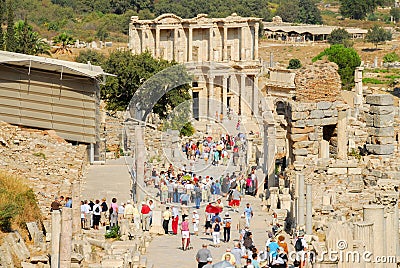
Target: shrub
(18,203)
(113,232)
(294,64)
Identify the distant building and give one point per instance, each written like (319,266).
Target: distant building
(52,94)
(221,53)
(305,32)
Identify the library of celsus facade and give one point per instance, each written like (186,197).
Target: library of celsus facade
(221,54)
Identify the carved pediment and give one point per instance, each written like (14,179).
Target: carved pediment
(168,18)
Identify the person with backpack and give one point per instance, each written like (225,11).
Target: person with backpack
(227,221)
(300,246)
(96,215)
(216,232)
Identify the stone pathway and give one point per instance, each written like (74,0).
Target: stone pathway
(109,180)
(164,250)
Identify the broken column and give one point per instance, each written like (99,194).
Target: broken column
(55,238)
(342,135)
(301,201)
(380,121)
(66,238)
(375,213)
(358,98)
(269,147)
(76,208)
(309,209)
(156,226)
(140,159)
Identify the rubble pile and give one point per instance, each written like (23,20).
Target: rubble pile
(47,162)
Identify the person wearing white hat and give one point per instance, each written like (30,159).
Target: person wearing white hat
(195,221)
(209,263)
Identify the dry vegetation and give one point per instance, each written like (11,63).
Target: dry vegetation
(17,204)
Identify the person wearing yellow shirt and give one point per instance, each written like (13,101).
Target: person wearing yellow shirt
(167,215)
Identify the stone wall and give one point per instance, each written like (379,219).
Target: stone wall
(48,163)
(318,82)
(306,127)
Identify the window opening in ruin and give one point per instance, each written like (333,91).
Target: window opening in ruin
(195,84)
(280,108)
(329,133)
(228,102)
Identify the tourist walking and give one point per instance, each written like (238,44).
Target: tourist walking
(248,212)
(227,222)
(96,215)
(202,256)
(185,234)
(167,215)
(175,220)
(196,222)
(145,211)
(103,213)
(121,211)
(216,232)
(113,212)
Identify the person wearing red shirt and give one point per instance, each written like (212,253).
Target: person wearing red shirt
(145,216)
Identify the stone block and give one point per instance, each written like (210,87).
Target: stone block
(303,144)
(302,151)
(354,171)
(381,110)
(295,130)
(298,165)
(300,115)
(324,105)
(309,123)
(379,99)
(383,120)
(369,120)
(313,136)
(299,137)
(382,140)
(317,114)
(380,149)
(299,124)
(329,121)
(330,113)
(112,264)
(337,171)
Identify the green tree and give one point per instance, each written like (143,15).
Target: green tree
(288,11)
(309,13)
(294,64)
(299,11)
(133,73)
(29,41)
(339,36)
(63,40)
(358,9)
(11,43)
(391,57)
(347,60)
(395,13)
(378,35)
(92,56)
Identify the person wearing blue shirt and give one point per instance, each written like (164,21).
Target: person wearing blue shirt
(68,204)
(248,211)
(273,248)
